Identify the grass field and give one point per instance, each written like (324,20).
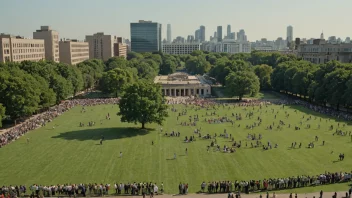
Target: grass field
(72,154)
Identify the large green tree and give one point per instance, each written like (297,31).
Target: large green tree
(242,83)
(264,73)
(114,80)
(143,102)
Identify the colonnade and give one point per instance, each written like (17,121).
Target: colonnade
(185,91)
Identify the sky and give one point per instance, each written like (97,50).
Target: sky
(259,18)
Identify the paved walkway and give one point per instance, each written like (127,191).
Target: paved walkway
(305,195)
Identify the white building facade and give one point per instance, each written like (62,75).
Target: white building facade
(180,48)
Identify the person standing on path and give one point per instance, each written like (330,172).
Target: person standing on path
(186,151)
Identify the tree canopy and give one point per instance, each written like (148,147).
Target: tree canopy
(143,102)
(242,83)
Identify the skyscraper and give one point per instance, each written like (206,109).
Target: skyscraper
(146,36)
(228,31)
(197,35)
(169,33)
(289,34)
(202,33)
(219,30)
(241,36)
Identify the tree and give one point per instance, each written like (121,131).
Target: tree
(143,102)
(264,72)
(2,114)
(19,93)
(242,83)
(168,67)
(116,62)
(114,80)
(197,65)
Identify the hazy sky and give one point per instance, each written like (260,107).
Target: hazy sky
(259,18)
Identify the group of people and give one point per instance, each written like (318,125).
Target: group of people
(91,189)
(41,119)
(274,184)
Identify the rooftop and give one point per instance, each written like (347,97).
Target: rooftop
(178,78)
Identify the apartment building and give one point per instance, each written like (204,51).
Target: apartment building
(120,49)
(73,51)
(180,48)
(51,40)
(101,46)
(18,49)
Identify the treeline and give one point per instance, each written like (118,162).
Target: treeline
(28,87)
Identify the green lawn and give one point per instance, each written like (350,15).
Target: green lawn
(72,154)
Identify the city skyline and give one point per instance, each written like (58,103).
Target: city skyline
(116,17)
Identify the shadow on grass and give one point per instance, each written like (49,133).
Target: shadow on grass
(107,133)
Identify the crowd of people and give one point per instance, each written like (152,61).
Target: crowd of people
(41,119)
(275,184)
(90,189)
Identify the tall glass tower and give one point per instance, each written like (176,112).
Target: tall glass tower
(146,36)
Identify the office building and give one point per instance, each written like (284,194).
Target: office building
(289,34)
(146,36)
(202,33)
(348,40)
(18,49)
(51,40)
(321,51)
(219,33)
(190,39)
(168,39)
(228,31)
(73,51)
(231,46)
(332,40)
(180,48)
(120,49)
(197,35)
(101,46)
(241,36)
(179,39)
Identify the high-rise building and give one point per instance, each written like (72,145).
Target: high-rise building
(190,39)
(18,49)
(168,39)
(101,46)
(228,31)
(219,31)
(289,34)
(73,51)
(51,40)
(202,33)
(216,35)
(146,36)
(348,40)
(241,35)
(197,35)
(322,35)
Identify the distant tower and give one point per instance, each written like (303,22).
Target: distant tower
(219,33)
(197,35)
(202,33)
(228,31)
(289,34)
(322,35)
(169,33)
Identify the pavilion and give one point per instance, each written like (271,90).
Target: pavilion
(182,84)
